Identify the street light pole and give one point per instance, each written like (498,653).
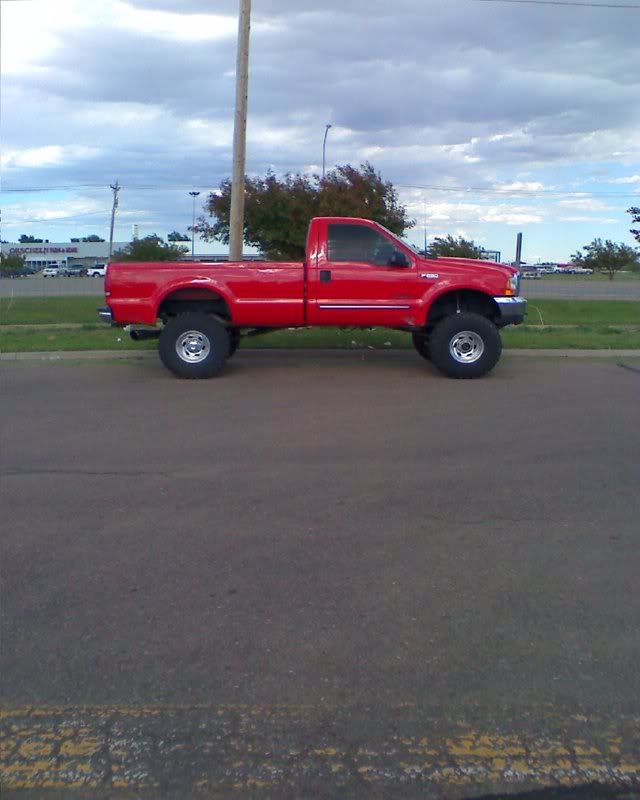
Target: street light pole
(193,226)
(236,219)
(324,150)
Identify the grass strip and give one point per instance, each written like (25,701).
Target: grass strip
(49,310)
(583,337)
(83,310)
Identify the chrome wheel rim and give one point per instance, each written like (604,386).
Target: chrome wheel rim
(193,347)
(466,347)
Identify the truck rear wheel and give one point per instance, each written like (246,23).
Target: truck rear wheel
(421,343)
(465,345)
(194,345)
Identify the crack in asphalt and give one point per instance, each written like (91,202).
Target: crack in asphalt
(85,473)
(629,368)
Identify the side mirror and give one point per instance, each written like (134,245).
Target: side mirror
(399,259)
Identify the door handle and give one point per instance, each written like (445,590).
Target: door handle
(325,276)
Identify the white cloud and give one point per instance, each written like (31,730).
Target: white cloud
(630,179)
(47,156)
(584,204)
(520,186)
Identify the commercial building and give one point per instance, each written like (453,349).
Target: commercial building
(39,255)
(86,254)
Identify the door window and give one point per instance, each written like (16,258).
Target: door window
(349,243)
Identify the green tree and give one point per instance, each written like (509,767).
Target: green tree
(176,236)
(278,210)
(635,218)
(454,247)
(151,248)
(91,238)
(12,266)
(607,256)
(25,239)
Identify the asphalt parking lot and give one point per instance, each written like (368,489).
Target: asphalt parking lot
(320,576)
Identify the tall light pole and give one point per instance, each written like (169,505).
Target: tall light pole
(193,226)
(324,150)
(236,220)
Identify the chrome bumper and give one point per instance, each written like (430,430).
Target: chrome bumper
(105,315)
(512,310)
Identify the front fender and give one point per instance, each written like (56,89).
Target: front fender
(451,286)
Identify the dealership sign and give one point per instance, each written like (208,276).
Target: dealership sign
(43,250)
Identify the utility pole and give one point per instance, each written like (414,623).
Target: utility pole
(324,150)
(193,226)
(115,188)
(236,221)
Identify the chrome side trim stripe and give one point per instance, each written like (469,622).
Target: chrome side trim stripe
(338,307)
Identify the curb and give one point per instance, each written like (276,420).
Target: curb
(117,355)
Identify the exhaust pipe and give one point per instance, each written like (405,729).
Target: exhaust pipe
(142,334)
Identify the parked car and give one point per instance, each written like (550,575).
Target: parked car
(533,274)
(97,271)
(50,272)
(73,271)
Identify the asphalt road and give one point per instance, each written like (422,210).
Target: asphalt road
(566,289)
(320,576)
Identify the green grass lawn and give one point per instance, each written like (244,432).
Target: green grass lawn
(597,324)
(49,310)
(83,310)
(90,338)
(583,312)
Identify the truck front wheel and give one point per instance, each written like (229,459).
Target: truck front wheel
(194,345)
(465,345)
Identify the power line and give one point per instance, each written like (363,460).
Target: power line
(628,6)
(494,190)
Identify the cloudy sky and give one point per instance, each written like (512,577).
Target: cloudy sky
(490,117)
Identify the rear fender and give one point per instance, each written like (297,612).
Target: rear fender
(198,288)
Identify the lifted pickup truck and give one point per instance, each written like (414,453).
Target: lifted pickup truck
(357,274)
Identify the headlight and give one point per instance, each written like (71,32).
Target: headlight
(513,284)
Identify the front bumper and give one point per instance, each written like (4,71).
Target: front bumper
(512,310)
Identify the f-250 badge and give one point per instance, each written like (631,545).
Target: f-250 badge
(429,275)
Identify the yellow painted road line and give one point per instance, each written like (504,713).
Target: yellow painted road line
(269,747)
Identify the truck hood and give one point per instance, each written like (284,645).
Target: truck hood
(473,263)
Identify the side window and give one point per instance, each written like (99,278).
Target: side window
(359,243)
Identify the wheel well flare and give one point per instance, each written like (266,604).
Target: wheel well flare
(193,299)
(462,300)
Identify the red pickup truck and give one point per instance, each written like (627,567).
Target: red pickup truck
(357,274)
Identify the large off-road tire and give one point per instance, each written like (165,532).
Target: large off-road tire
(194,345)
(465,345)
(421,343)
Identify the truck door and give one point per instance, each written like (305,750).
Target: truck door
(362,276)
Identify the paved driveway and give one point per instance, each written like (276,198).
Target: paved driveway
(320,576)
